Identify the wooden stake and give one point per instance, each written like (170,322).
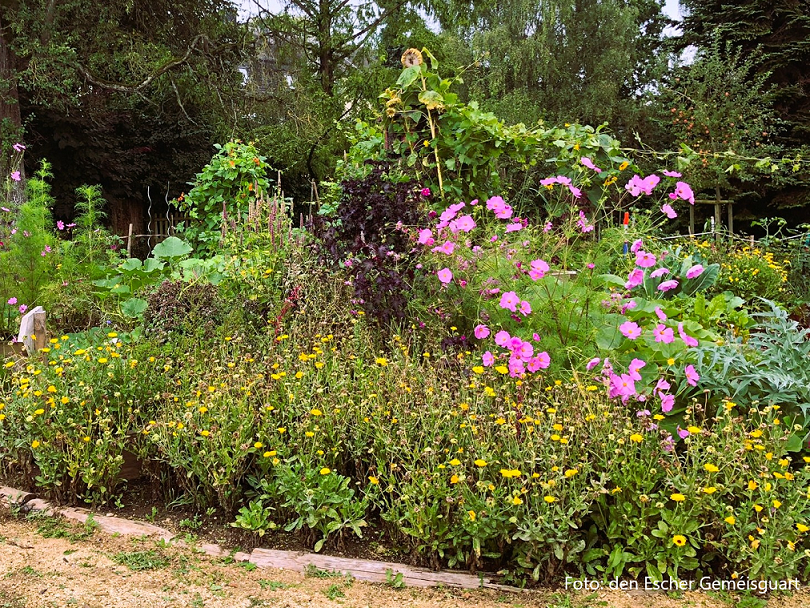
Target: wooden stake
(129,242)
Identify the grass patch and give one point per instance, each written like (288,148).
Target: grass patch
(141,560)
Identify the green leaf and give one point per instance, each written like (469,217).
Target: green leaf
(131,264)
(431,99)
(134,307)
(408,76)
(172,247)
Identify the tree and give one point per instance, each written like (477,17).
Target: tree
(96,84)
(779,31)
(564,60)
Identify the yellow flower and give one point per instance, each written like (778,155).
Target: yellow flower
(500,421)
(454,479)
(281,430)
(204,433)
(316,412)
(455,462)
(325,471)
(711,468)
(480,462)
(731,520)
(571,472)
(710,490)
(517,501)
(258,445)
(382,361)
(776,504)
(636,437)
(472,515)
(694,430)
(502,369)
(802,528)
(679,540)
(373,480)
(624,166)
(508,473)
(478,369)
(549,499)
(752,485)
(758,508)
(678,497)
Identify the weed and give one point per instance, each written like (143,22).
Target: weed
(265,583)
(312,571)
(141,560)
(395,581)
(334,591)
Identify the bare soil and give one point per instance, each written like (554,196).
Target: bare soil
(49,563)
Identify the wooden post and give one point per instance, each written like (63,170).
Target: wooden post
(40,334)
(691,220)
(129,242)
(717,221)
(730,218)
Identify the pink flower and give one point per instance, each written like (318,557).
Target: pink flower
(445,275)
(635,279)
(465,223)
(667,210)
(505,213)
(514,343)
(12,301)
(576,192)
(510,301)
(474,202)
(562,179)
(448,247)
(662,385)
(694,271)
(667,401)
(630,329)
(514,227)
(622,386)
(23,308)
(663,334)
(659,272)
(516,367)
(684,192)
(502,338)
(481,331)
(589,163)
(691,375)
(525,308)
(668,285)
(583,224)
(636,246)
(648,183)
(688,340)
(488,359)
(672,174)
(548,227)
(662,316)
(536,337)
(60,225)
(593,363)
(16,176)
(635,365)
(18,147)
(644,259)
(525,351)
(447,215)
(425,191)
(682,433)
(541,361)
(549,181)
(539,269)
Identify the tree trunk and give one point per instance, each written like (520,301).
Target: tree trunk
(10,119)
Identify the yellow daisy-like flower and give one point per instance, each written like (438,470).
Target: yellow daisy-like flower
(373,480)
(679,540)
(455,462)
(454,479)
(802,528)
(325,471)
(677,497)
(752,485)
(709,490)
(636,438)
(472,515)
(517,501)
(258,445)
(549,499)
(758,508)
(731,520)
(35,444)
(480,462)
(571,472)
(382,361)
(711,468)
(776,504)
